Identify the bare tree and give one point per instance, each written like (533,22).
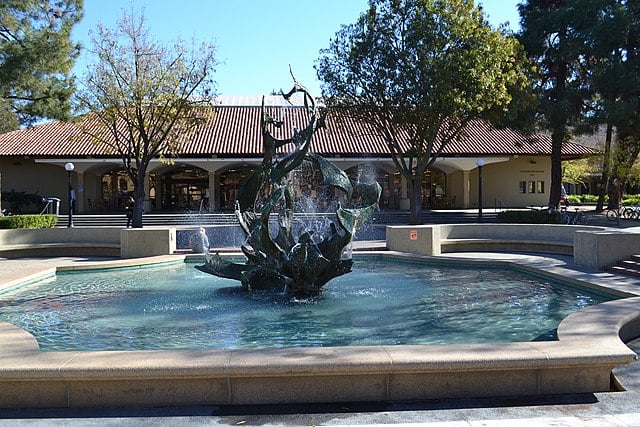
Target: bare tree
(145,98)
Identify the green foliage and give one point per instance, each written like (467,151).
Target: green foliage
(36,57)
(145,98)
(575,200)
(530,217)
(28,221)
(20,201)
(557,38)
(631,199)
(421,69)
(576,171)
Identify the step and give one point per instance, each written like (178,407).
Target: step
(630,264)
(624,271)
(178,219)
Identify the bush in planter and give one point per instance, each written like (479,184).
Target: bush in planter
(530,217)
(21,202)
(28,221)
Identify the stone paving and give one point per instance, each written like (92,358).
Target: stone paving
(601,409)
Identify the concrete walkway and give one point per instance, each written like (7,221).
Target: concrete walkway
(600,409)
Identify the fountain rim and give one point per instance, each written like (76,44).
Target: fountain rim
(590,343)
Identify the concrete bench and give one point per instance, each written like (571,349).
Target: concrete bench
(443,238)
(60,242)
(61,249)
(476,245)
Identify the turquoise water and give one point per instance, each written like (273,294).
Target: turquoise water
(380,302)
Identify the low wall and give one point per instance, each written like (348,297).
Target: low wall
(438,239)
(601,249)
(102,241)
(88,241)
(591,247)
(148,241)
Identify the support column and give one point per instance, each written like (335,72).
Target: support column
(466,190)
(213,192)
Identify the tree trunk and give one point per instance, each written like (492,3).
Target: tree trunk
(557,139)
(416,199)
(138,195)
(606,162)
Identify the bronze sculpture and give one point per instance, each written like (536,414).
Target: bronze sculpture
(301,263)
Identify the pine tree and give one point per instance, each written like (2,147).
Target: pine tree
(36,57)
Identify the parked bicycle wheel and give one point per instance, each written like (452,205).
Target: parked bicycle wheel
(628,213)
(612,215)
(581,218)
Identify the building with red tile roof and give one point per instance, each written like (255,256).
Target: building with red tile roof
(210,165)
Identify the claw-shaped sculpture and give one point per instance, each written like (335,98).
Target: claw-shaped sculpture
(297,265)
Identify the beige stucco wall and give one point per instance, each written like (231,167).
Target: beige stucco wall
(25,175)
(500,181)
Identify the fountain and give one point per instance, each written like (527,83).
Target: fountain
(293,259)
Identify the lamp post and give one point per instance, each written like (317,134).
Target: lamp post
(480,163)
(69,168)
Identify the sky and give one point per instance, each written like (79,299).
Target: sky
(257,40)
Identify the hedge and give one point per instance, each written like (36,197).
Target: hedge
(28,221)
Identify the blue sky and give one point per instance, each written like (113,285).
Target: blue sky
(256,40)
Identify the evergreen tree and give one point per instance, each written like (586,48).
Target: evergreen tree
(557,37)
(36,57)
(616,79)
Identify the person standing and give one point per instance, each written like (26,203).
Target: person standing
(128,207)
(72,194)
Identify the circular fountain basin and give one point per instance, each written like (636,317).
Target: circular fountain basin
(381,302)
(581,361)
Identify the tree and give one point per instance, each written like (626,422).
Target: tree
(616,79)
(417,72)
(36,57)
(556,36)
(144,98)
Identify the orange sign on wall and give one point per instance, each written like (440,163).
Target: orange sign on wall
(413,234)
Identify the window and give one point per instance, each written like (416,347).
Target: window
(531,187)
(522,188)
(540,187)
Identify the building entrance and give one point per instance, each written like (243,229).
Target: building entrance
(185,190)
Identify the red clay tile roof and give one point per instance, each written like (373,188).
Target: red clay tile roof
(235,132)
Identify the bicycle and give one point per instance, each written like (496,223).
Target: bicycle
(576,218)
(631,212)
(614,214)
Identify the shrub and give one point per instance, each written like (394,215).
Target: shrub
(574,199)
(588,198)
(28,221)
(21,202)
(530,217)
(630,199)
